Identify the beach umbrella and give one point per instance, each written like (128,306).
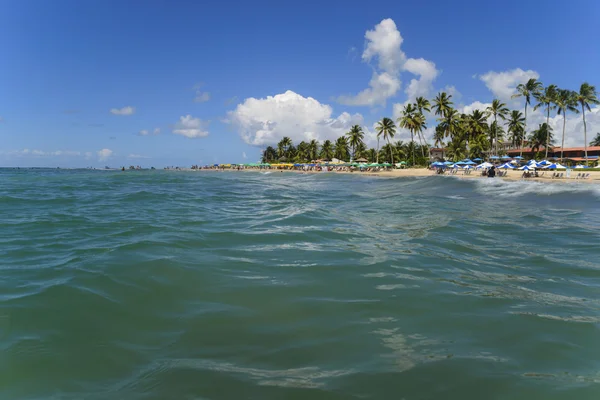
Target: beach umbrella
(386,164)
(554,166)
(581,166)
(485,165)
(470,162)
(448,163)
(506,166)
(527,168)
(468,166)
(362,160)
(477,159)
(494,157)
(505,157)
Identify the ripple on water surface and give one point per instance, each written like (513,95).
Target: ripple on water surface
(207,285)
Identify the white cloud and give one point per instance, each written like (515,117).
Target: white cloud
(104,154)
(201,97)
(128,110)
(145,132)
(244,156)
(452,91)
(190,127)
(384,43)
(503,84)
(381,87)
(136,156)
(265,121)
(41,153)
(427,73)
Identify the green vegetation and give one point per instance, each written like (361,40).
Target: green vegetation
(460,135)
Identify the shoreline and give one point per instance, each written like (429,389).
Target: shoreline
(423,172)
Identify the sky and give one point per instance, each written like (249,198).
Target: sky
(165,83)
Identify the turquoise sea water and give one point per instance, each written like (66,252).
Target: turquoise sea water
(230,285)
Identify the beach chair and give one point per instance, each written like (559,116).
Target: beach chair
(586,176)
(578,176)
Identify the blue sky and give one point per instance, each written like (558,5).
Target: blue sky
(188,69)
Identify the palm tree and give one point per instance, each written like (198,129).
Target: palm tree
(497,109)
(527,90)
(596,141)
(450,122)
(541,137)
(406,121)
(516,127)
(313,150)
(302,152)
(587,95)
(283,146)
(341,148)
(442,104)
(327,150)
(475,125)
(361,150)
(355,137)
(478,145)
(418,123)
(371,155)
(546,99)
(456,149)
(269,154)
(565,101)
(387,128)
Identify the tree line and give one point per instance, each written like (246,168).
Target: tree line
(460,135)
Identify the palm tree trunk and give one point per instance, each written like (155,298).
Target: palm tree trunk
(421,143)
(562,146)
(377,155)
(547,131)
(584,134)
(412,150)
(524,131)
(496,134)
(391,151)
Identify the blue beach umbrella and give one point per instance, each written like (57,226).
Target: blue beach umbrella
(518,157)
(494,157)
(505,157)
(477,159)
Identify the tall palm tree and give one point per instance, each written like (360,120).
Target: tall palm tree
(442,103)
(565,101)
(269,154)
(516,127)
(450,122)
(497,109)
(406,121)
(418,124)
(596,141)
(341,148)
(474,125)
(527,90)
(327,150)
(587,96)
(457,149)
(541,137)
(422,104)
(387,128)
(283,146)
(371,155)
(313,149)
(546,99)
(355,137)
(361,150)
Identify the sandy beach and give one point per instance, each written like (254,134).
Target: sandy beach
(512,175)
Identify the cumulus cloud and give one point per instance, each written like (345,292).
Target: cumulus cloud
(128,110)
(104,154)
(265,121)
(190,127)
(384,44)
(503,84)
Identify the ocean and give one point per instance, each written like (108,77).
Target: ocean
(249,285)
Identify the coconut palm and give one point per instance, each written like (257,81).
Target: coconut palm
(457,149)
(302,152)
(478,145)
(355,137)
(497,109)
(371,155)
(387,128)
(545,99)
(360,151)
(327,150)
(269,154)
(596,141)
(516,127)
(418,124)
(541,137)
(450,122)
(527,91)
(342,148)
(283,146)
(313,150)
(474,125)
(565,101)
(587,96)
(442,104)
